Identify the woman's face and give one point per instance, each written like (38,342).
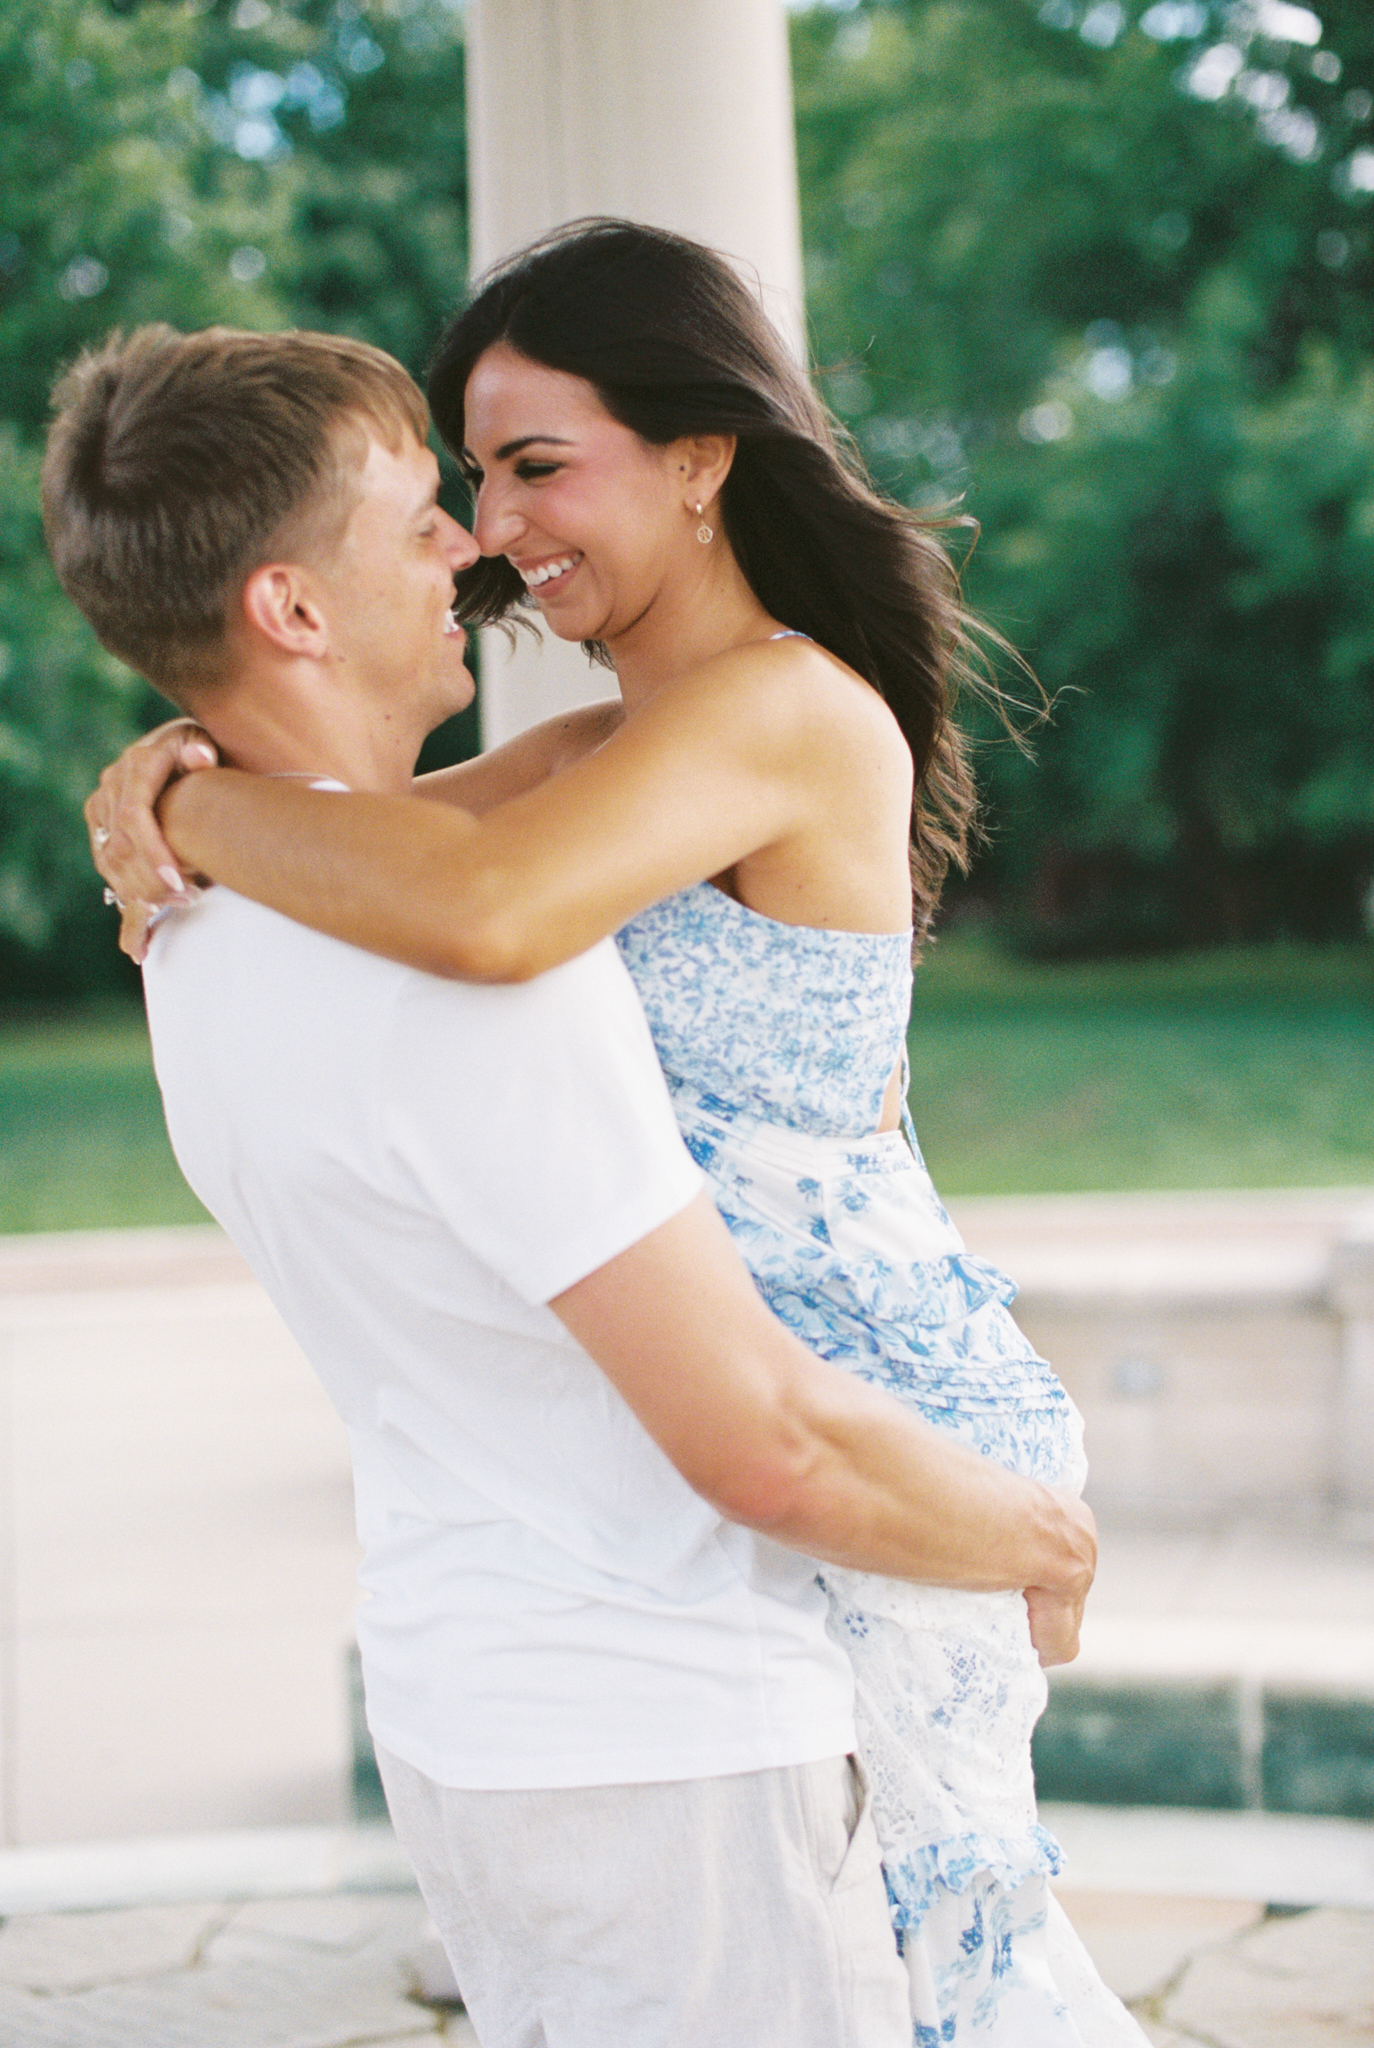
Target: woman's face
(596,521)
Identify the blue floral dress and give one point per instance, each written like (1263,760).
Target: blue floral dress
(779,1042)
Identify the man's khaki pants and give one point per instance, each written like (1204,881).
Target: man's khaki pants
(737,1912)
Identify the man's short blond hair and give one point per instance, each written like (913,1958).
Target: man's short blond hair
(177,463)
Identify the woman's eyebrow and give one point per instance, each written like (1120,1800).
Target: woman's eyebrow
(509,448)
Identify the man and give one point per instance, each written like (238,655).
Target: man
(614,1735)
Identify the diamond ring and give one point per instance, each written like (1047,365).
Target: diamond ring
(114,901)
(100,834)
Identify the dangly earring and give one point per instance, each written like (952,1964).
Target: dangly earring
(705,534)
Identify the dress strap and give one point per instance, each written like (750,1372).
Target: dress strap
(789,633)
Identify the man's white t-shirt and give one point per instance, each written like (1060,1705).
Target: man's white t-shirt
(413,1168)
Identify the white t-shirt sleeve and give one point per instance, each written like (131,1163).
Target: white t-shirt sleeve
(536,1120)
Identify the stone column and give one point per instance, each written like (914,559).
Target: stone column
(1352,1297)
(674,112)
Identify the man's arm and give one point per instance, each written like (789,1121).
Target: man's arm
(792,1446)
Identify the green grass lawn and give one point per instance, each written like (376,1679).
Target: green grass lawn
(1228,1069)
(1249,1068)
(81,1138)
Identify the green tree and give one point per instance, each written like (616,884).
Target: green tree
(238,162)
(108,218)
(1104,272)
(351,115)
(64,705)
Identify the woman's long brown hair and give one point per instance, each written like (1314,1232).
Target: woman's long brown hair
(675,345)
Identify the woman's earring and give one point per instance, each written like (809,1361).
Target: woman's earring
(705,534)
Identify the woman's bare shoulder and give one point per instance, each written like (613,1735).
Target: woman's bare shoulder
(792,691)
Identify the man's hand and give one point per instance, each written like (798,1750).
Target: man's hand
(127,845)
(1056,1612)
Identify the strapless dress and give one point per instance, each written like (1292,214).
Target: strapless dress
(778,1042)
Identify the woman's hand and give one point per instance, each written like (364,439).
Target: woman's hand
(127,845)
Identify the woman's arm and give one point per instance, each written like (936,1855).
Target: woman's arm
(757,748)
(132,855)
(522,763)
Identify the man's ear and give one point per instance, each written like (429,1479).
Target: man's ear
(279,602)
(704,461)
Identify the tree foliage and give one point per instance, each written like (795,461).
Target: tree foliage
(239,162)
(1101,270)
(1106,274)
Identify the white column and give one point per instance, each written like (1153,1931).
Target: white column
(674,112)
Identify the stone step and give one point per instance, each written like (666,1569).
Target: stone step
(1220,1345)
(233,1863)
(1280,1859)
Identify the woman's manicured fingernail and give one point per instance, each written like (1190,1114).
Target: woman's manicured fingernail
(200,750)
(172,880)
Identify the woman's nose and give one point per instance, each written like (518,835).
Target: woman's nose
(496,524)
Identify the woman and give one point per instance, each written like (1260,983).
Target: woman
(778,784)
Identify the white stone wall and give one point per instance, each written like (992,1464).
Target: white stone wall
(177,1553)
(1213,1342)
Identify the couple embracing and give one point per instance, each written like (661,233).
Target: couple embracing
(717,1519)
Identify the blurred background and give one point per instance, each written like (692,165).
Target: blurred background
(1098,275)
(1101,274)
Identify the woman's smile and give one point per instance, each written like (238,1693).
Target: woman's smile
(548,577)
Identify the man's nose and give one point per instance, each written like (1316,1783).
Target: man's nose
(463,550)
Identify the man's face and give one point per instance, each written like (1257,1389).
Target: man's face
(388,585)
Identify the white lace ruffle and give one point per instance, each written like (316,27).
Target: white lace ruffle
(947,1691)
(1003,1969)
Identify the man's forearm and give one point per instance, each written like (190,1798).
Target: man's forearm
(885,1492)
(788,1444)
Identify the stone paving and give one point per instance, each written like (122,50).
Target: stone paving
(335,1972)
(1300,1981)
(350,1970)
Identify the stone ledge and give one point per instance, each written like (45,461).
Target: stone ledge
(165,1870)
(1210,1250)
(1277,1858)
(1198,1245)
(1285,1859)
(66,1262)
(1318,1658)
